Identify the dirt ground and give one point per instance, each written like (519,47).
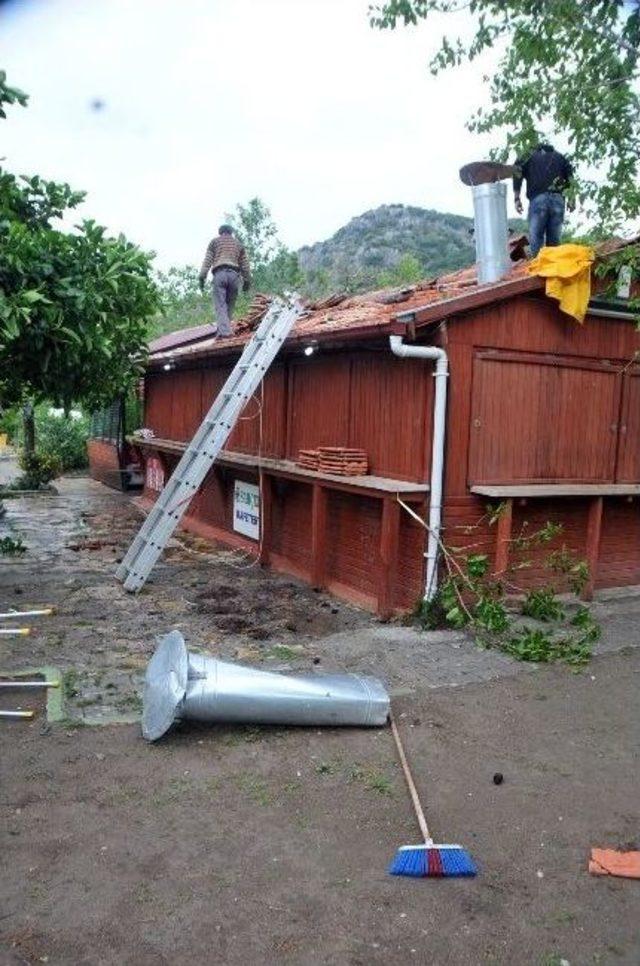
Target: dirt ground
(251,846)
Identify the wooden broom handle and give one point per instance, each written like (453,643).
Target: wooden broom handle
(417,807)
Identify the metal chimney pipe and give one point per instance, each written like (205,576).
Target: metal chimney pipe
(199,688)
(491,234)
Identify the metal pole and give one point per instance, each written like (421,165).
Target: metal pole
(29,684)
(17,714)
(15,631)
(27,613)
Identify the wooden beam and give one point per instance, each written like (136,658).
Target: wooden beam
(266,508)
(594,529)
(503,538)
(318,536)
(547,490)
(388,556)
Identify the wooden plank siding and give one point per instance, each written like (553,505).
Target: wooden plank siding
(553,399)
(628,464)
(390,399)
(542,418)
(533,398)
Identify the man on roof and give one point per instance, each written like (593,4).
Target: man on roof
(228,261)
(548,174)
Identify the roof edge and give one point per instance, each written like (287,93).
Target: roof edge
(496,292)
(332,337)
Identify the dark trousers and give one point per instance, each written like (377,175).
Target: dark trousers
(546,214)
(226,285)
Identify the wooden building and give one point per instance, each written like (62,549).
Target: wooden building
(542,413)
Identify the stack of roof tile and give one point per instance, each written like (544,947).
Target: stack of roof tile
(337,298)
(342,461)
(308,459)
(255,313)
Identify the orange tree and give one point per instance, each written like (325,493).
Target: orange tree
(74,305)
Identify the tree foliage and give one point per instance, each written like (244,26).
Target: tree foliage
(10,95)
(73,304)
(566,65)
(274,268)
(182,304)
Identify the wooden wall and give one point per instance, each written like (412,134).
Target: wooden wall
(533,397)
(367,399)
(536,398)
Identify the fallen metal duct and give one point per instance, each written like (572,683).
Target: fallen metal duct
(179,685)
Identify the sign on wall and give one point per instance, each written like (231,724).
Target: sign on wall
(154,479)
(246,509)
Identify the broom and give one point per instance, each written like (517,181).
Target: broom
(428,860)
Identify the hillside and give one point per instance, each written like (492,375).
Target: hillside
(377,240)
(373,243)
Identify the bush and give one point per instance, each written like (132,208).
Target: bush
(62,437)
(10,421)
(38,470)
(10,547)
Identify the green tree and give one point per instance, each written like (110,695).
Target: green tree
(568,64)
(183,304)
(406,271)
(74,304)
(10,95)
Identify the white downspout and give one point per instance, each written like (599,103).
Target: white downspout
(437,451)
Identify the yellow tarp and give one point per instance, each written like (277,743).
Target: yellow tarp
(567,269)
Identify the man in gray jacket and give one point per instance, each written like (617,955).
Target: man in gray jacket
(228,261)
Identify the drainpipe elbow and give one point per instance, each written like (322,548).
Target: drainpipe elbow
(433,352)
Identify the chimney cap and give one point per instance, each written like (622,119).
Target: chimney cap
(485,172)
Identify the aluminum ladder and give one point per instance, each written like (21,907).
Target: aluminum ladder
(207,443)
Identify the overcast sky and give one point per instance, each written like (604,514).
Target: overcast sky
(210,102)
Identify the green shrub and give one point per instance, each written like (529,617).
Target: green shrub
(63,438)
(542,648)
(37,470)
(10,547)
(10,421)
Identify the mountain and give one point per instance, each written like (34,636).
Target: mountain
(373,244)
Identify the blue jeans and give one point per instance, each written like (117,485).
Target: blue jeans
(546,214)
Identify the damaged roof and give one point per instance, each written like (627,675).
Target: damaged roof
(382,312)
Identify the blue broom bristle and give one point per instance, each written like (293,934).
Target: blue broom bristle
(434,861)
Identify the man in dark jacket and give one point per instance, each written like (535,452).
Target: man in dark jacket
(228,261)
(547,173)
